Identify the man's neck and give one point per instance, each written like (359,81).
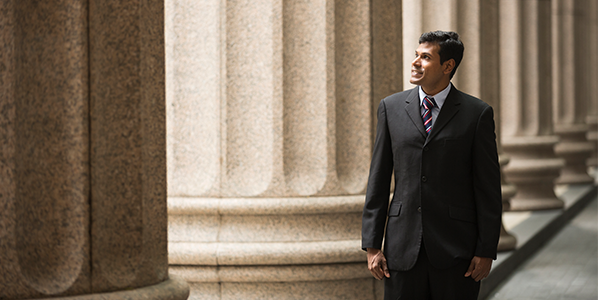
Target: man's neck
(432,91)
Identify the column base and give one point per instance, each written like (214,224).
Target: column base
(507,241)
(174,288)
(592,162)
(533,169)
(270,248)
(522,204)
(592,137)
(576,150)
(326,281)
(575,178)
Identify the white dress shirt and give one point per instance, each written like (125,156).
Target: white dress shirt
(438,98)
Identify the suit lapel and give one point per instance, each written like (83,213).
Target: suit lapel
(413,110)
(449,109)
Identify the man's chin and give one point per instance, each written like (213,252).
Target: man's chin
(414,81)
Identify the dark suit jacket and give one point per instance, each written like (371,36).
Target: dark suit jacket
(447,184)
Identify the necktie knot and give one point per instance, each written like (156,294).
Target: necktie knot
(429,102)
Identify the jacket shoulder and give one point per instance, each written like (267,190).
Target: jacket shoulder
(400,96)
(472,101)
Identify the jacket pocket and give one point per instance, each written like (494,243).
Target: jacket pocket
(463,214)
(395,209)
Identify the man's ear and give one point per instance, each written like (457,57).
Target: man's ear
(448,65)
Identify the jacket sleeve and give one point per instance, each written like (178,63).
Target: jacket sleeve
(487,185)
(378,189)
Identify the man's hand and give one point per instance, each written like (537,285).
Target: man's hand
(479,268)
(377,264)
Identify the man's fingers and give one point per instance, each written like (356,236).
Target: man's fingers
(479,268)
(377,272)
(386,272)
(380,268)
(470,269)
(477,276)
(377,265)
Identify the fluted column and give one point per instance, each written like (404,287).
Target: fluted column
(570,88)
(270,127)
(477,24)
(83,191)
(592,119)
(526,103)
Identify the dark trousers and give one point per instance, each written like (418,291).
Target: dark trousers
(425,282)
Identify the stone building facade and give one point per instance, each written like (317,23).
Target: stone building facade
(229,140)
(271,117)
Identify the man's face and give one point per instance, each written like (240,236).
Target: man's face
(426,69)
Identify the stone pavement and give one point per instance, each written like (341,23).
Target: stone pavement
(565,268)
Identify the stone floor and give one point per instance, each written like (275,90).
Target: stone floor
(565,268)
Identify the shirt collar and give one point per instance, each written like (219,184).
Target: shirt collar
(438,98)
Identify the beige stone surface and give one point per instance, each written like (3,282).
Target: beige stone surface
(204,291)
(592,118)
(265,206)
(325,290)
(173,288)
(265,228)
(506,241)
(266,78)
(353,92)
(194,79)
(280,273)
(526,94)
(387,53)
(575,149)
(270,253)
(253,97)
(288,135)
(289,228)
(309,97)
(571,88)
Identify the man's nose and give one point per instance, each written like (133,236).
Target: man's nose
(416,61)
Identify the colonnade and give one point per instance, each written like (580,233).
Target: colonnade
(266,131)
(271,118)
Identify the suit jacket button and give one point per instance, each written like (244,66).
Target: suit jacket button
(419,209)
(424,179)
(426,148)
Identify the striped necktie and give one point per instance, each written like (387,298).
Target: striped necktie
(428,104)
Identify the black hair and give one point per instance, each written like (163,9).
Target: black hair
(450,46)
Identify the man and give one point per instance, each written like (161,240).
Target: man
(442,227)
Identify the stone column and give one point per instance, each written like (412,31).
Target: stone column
(570,88)
(476,21)
(592,119)
(526,103)
(83,152)
(269,108)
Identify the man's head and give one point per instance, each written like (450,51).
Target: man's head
(451,46)
(436,60)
